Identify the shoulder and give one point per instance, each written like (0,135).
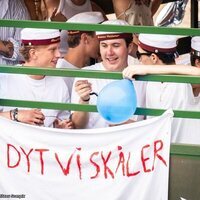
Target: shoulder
(97,66)
(61,63)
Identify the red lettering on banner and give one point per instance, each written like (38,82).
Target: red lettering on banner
(156,150)
(143,159)
(121,161)
(41,158)
(67,168)
(95,164)
(109,164)
(8,156)
(106,168)
(127,168)
(27,158)
(78,157)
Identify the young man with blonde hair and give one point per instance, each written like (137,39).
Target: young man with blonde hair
(40,48)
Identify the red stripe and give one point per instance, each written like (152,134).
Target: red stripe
(156,49)
(41,42)
(77,32)
(114,36)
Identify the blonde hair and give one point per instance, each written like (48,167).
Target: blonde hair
(24,51)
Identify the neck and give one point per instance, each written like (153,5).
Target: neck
(76,57)
(36,77)
(196,90)
(78,2)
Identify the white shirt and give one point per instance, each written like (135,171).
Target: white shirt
(62,63)
(48,89)
(177,96)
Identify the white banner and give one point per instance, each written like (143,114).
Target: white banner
(126,162)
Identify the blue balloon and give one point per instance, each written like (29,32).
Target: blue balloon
(117,101)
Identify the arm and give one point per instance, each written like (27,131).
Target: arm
(95,7)
(83,89)
(130,71)
(155,6)
(16,11)
(6,48)
(57,16)
(80,118)
(120,7)
(34,116)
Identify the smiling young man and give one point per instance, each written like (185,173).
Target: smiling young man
(40,48)
(114,50)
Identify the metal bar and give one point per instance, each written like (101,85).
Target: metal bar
(97,74)
(99,27)
(185,150)
(92,108)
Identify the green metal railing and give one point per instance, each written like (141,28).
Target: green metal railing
(100,27)
(94,74)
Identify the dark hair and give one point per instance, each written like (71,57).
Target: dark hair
(193,58)
(74,40)
(128,40)
(167,58)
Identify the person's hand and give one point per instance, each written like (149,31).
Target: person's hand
(58,16)
(64,124)
(34,117)
(6,48)
(83,88)
(130,71)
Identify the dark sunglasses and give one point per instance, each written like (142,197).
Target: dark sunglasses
(139,54)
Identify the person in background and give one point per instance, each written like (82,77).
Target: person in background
(114,50)
(83,45)
(62,10)
(40,48)
(10,36)
(158,53)
(136,12)
(193,69)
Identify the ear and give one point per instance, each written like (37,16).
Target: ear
(130,48)
(33,53)
(197,63)
(84,38)
(154,58)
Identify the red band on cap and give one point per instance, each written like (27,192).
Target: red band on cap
(156,49)
(41,42)
(77,32)
(114,36)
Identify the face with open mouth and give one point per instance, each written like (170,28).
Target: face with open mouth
(114,53)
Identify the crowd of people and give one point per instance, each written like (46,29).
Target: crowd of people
(49,48)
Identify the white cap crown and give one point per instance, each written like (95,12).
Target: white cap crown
(195,43)
(158,43)
(34,36)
